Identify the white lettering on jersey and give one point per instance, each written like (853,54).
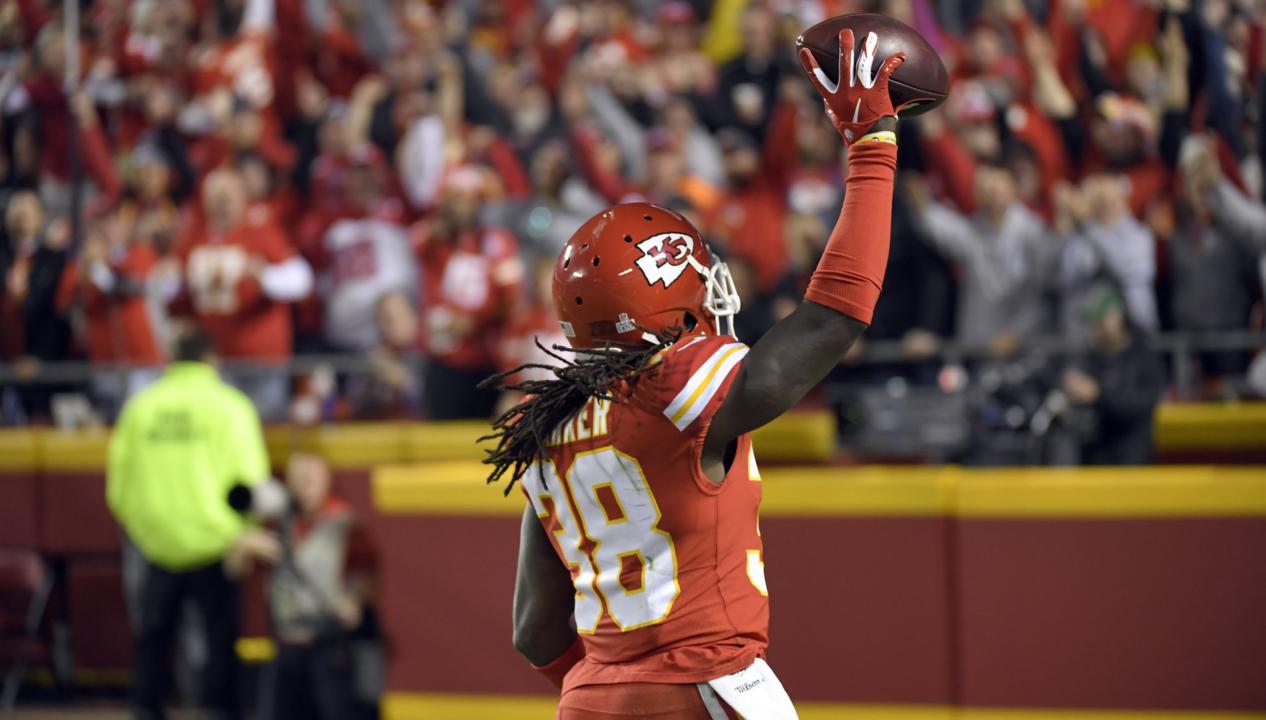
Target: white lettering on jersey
(665,257)
(590,422)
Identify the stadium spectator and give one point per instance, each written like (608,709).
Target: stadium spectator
(917,305)
(178,448)
(748,85)
(319,589)
(471,277)
(393,387)
(108,284)
(363,253)
(566,107)
(240,274)
(1119,381)
(1212,253)
(748,221)
(1104,241)
(1005,254)
(560,203)
(31,328)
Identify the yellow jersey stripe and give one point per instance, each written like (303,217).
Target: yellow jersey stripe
(696,380)
(685,408)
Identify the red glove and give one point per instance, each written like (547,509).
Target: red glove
(865,102)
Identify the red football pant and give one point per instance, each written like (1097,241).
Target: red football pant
(639,700)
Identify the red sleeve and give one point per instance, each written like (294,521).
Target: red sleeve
(288,51)
(1066,39)
(505,161)
(190,222)
(310,238)
(611,185)
(780,145)
(98,163)
(947,158)
(34,15)
(1048,144)
(554,60)
(362,556)
(271,242)
(851,272)
(67,287)
(278,153)
(138,262)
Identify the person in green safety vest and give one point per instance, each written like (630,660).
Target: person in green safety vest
(178,448)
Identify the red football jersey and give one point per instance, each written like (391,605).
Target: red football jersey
(228,301)
(670,585)
(469,287)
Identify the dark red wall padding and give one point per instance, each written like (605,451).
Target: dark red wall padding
(858,608)
(19,510)
(1113,614)
(101,635)
(1102,613)
(74,518)
(447,589)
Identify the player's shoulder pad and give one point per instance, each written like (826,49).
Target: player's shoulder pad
(694,373)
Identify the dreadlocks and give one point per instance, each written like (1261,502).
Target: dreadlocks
(522,430)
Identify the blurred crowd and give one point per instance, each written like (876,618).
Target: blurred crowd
(394,178)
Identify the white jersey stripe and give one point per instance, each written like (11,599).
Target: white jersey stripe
(696,380)
(708,384)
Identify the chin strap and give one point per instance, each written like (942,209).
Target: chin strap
(723,299)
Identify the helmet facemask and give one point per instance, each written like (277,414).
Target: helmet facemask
(722,299)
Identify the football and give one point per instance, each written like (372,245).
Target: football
(920,80)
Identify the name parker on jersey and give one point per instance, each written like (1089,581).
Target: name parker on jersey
(589,422)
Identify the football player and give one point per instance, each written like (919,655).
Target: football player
(636,457)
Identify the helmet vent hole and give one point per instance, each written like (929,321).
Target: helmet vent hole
(579,301)
(584,248)
(628,238)
(648,217)
(596,259)
(690,322)
(567,263)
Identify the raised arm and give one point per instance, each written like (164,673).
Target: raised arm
(803,347)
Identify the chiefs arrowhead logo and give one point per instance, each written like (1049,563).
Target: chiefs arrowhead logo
(665,257)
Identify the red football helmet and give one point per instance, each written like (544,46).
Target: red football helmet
(638,269)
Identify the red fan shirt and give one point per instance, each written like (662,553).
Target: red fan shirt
(225,295)
(469,287)
(117,327)
(670,585)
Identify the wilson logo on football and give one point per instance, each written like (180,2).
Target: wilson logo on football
(665,257)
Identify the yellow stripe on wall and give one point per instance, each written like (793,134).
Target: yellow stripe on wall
(426,706)
(457,488)
(1210,426)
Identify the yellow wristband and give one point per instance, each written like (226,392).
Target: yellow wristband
(881,136)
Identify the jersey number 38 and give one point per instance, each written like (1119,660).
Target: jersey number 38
(631,568)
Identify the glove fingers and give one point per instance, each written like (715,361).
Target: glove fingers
(889,66)
(816,76)
(846,56)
